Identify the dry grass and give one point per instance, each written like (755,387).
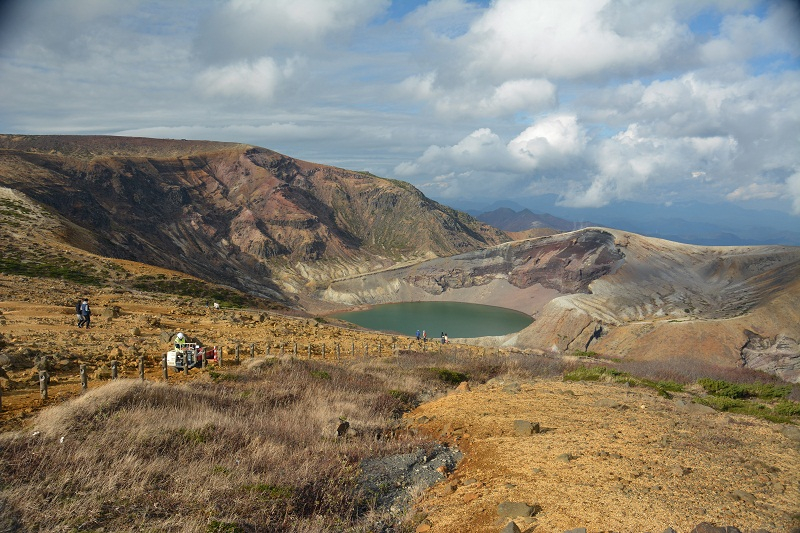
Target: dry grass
(252,452)
(248,449)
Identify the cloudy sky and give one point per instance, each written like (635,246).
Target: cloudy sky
(594,100)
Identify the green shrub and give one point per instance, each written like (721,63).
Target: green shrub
(321,374)
(783,412)
(763,391)
(449,376)
(271,492)
(725,389)
(596,373)
(787,408)
(215,526)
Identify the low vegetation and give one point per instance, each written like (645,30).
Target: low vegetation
(33,263)
(751,393)
(256,448)
(195,288)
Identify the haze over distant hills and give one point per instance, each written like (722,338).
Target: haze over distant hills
(507,219)
(689,222)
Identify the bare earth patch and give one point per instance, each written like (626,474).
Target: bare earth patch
(608,458)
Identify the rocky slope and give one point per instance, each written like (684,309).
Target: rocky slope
(239,214)
(619,294)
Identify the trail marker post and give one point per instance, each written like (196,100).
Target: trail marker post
(43,384)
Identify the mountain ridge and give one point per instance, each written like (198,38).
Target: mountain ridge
(250,216)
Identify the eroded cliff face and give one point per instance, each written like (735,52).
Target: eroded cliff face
(232,213)
(776,355)
(513,274)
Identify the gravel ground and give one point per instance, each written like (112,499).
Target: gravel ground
(393,482)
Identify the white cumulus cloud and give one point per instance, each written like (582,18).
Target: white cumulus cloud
(258,79)
(549,142)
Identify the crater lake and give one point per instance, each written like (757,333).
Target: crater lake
(456,319)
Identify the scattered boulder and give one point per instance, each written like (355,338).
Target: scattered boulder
(791,433)
(463,387)
(511,527)
(744,496)
(576,530)
(564,457)
(115,354)
(23,359)
(707,527)
(513,509)
(525,428)
(45,362)
(110,312)
(103,372)
(694,408)
(607,402)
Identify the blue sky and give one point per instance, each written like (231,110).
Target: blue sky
(597,101)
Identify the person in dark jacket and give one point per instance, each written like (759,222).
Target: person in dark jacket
(86,314)
(78,314)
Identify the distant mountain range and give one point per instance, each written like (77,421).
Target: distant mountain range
(691,222)
(507,219)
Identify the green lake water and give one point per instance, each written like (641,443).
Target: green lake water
(458,320)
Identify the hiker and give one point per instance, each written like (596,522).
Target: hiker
(443,338)
(180,341)
(446,340)
(78,313)
(417,334)
(424,336)
(86,314)
(216,305)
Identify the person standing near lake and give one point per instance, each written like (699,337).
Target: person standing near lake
(417,334)
(424,336)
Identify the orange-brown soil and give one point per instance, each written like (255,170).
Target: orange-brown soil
(608,458)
